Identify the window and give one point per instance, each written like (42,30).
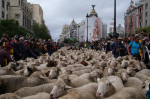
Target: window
(17,16)
(7,6)
(7,16)
(146,6)
(140,10)
(3,3)
(3,14)
(146,14)
(140,24)
(19,2)
(146,22)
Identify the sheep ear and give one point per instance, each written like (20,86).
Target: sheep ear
(68,87)
(98,79)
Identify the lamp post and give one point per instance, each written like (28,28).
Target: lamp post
(87,26)
(78,32)
(114,16)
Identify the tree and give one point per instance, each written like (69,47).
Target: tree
(146,29)
(41,31)
(11,27)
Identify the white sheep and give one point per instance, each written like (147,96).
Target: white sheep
(128,93)
(11,83)
(108,86)
(145,72)
(80,72)
(41,95)
(97,73)
(81,80)
(28,91)
(108,71)
(9,96)
(133,82)
(60,90)
(141,76)
(7,71)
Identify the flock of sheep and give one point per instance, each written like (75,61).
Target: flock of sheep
(73,73)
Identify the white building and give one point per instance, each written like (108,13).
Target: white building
(81,31)
(146,13)
(96,29)
(37,14)
(111,28)
(104,33)
(20,10)
(94,26)
(4,9)
(120,30)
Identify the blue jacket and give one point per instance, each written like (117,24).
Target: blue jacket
(148,93)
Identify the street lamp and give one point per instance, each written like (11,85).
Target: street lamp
(87,26)
(78,32)
(114,16)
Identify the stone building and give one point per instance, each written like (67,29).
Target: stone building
(131,19)
(120,30)
(37,13)
(4,9)
(146,13)
(137,16)
(94,26)
(20,10)
(73,29)
(104,32)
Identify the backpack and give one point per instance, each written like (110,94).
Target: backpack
(131,46)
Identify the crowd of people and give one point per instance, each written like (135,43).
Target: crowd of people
(137,45)
(17,48)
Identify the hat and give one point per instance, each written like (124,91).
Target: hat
(8,47)
(119,38)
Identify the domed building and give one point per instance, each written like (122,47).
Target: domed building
(73,29)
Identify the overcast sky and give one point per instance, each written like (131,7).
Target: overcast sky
(60,12)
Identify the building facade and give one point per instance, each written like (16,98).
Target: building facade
(37,13)
(131,19)
(20,10)
(137,16)
(4,9)
(94,25)
(120,30)
(73,29)
(146,13)
(111,28)
(104,32)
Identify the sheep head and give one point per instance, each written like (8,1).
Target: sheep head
(53,73)
(105,87)
(59,89)
(6,71)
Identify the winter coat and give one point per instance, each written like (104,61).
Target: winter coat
(4,54)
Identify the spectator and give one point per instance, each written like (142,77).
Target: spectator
(49,47)
(118,48)
(22,48)
(5,55)
(16,47)
(127,51)
(135,46)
